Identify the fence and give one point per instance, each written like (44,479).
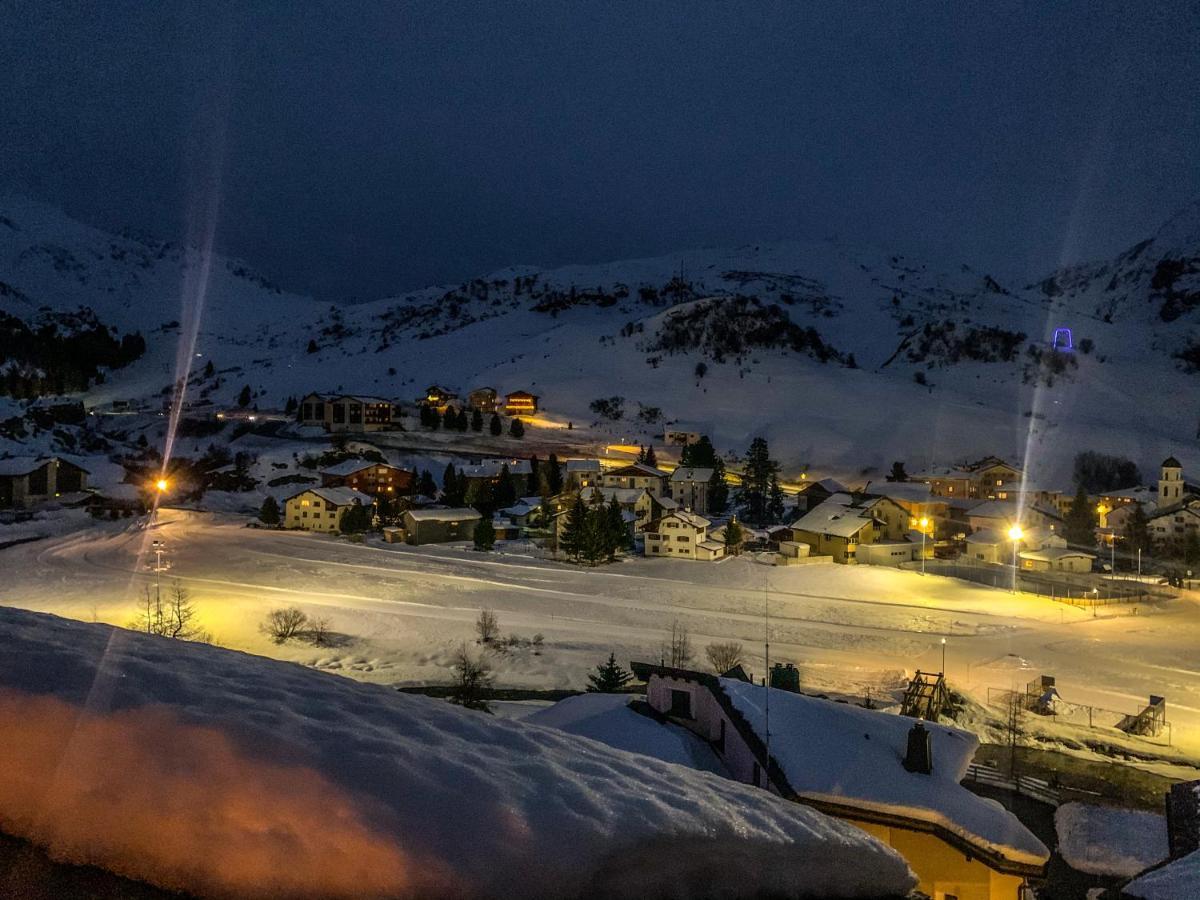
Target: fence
(1150,723)
(1034,788)
(1079,589)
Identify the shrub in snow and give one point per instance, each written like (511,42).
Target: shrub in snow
(282,625)
(724,656)
(284,781)
(487,626)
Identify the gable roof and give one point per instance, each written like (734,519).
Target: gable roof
(1008,511)
(350,466)
(692,473)
(690,518)
(338,496)
(491,468)
(638,469)
(839,515)
(988,536)
(455,514)
(24,465)
(1053,554)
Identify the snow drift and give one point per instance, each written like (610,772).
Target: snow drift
(203,769)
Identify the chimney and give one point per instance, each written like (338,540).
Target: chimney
(919,757)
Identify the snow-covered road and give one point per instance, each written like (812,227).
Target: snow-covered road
(402,610)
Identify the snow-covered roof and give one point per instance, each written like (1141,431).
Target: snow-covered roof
(625,496)
(996,509)
(455,514)
(583,465)
(1174,881)
(691,473)
(636,469)
(338,496)
(1143,492)
(713,546)
(910,491)
(350,466)
(610,719)
(1053,554)
(850,756)
(23,465)
(491,468)
(837,515)
(987,536)
(690,518)
(337,788)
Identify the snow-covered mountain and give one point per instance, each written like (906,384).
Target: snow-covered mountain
(845,357)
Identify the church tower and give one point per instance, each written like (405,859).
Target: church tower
(1170,483)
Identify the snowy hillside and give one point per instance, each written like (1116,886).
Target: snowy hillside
(227,774)
(845,358)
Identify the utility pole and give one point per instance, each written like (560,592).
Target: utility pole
(767,678)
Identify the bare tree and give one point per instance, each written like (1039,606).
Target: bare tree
(174,616)
(678,653)
(487,626)
(472,680)
(724,656)
(1013,727)
(282,625)
(318,633)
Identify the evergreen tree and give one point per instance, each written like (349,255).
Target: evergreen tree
(209,369)
(268,513)
(1079,526)
(485,534)
(1191,549)
(312,346)
(461,422)
(1137,530)
(641,457)
(476,420)
(450,419)
(897,473)
(733,538)
(554,475)
(494,425)
(609,677)
(454,487)
(355,519)
(423,412)
(596,536)
(775,504)
(700,454)
(516,428)
(426,486)
(718,489)
(755,495)
(290,406)
(535,471)
(506,489)
(650,459)
(243,398)
(572,538)
(481,495)
(616,532)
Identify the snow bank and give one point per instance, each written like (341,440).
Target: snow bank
(1101,840)
(1179,880)
(608,718)
(223,773)
(842,753)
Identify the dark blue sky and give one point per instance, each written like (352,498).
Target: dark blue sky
(362,149)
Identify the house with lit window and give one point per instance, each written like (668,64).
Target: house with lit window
(484,399)
(321,508)
(837,527)
(636,475)
(683,535)
(519,470)
(26,481)
(689,487)
(348,413)
(580,473)
(439,526)
(1177,516)
(520,403)
(985,479)
(437,398)
(374,478)
(896,778)
(648,509)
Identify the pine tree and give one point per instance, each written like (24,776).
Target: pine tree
(426,486)
(461,422)
(650,459)
(1079,526)
(355,519)
(554,475)
(733,538)
(454,487)
(243,398)
(700,454)
(290,406)
(718,489)
(641,457)
(897,473)
(572,538)
(450,419)
(775,505)
(312,346)
(609,677)
(485,534)
(516,428)
(481,495)
(209,370)
(616,532)
(268,513)
(506,489)
(1137,530)
(535,471)
(476,420)
(494,425)
(756,482)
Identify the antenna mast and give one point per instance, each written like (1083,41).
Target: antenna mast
(767,677)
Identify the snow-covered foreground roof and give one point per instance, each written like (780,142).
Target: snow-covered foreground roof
(225,773)
(1104,840)
(843,754)
(609,718)
(1175,881)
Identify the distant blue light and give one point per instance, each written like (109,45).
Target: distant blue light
(1062,339)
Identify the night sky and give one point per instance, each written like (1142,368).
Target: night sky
(359,150)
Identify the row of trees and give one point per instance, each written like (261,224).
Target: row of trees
(47,361)
(458,420)
(761,497)
(596,532)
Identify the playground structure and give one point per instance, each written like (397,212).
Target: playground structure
(925,696)
(1042,698)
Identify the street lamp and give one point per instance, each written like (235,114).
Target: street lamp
(1015,534)
(924,523)
(943,658)
(159,549)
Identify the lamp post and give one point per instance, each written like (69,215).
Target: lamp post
(159,549)
(943,658)
(1015,534)
(924,523)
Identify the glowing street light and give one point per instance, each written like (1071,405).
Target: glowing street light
(943,658)
(161,485)
(1015,534)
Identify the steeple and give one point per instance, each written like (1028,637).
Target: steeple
(1170,482)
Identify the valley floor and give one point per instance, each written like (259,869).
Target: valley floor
(400,612)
